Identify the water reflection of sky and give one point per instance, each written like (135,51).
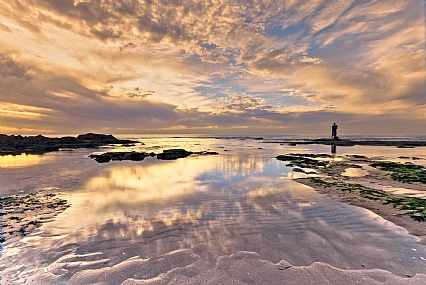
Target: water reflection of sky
(242,199)
(22,160)
(126,188)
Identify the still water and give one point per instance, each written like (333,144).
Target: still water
(208,206)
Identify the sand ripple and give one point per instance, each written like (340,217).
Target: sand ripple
(185,267)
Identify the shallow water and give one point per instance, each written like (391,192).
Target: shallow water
(199,209)
(354,172)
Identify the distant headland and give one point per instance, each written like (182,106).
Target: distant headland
(16,144)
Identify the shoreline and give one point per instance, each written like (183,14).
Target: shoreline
(386,211)
(394,191)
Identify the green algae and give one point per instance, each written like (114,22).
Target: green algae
(412,207)
(415,207)
(365,192)
(406,173)
(302,161)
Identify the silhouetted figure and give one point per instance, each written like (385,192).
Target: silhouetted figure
(334,131)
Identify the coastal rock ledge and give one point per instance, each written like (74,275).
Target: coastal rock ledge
(168,154)
(11,144)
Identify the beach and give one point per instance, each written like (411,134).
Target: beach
(239,217)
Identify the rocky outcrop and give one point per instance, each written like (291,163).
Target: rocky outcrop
(119,156)
(31,144)
(169,154)
(345,142)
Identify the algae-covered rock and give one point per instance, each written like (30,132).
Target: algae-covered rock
(302,161)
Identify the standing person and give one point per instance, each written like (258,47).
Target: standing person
(334,131)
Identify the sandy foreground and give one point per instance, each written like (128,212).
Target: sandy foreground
(263,240)
(240,268)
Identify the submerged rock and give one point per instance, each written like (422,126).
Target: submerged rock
(22,214)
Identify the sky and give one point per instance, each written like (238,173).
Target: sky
(212,67)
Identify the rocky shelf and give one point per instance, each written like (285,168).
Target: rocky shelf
(11,144)
(168,154)
(345,142)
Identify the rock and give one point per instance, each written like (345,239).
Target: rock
(136,156)
(118,156)
(103,158)
(171,154)
(206,153)
(40,144)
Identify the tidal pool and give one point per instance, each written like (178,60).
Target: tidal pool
(147,220)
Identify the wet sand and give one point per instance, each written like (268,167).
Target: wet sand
(376,179)
(248,241)
(184,267)
(386,211)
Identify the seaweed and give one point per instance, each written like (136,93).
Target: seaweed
(22,214)
(301,160)
(303,171)
(365,192)
(415,207)
(356,156)
(406,173)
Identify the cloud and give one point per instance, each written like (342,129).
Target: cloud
(188,65)
(63,101)
(5,28)
(241,104)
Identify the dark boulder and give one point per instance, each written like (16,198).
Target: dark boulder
(171,154)
(102,158)
(118,156)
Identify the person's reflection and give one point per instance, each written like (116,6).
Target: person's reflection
(333,148)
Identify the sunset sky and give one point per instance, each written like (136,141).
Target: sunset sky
(212,67)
